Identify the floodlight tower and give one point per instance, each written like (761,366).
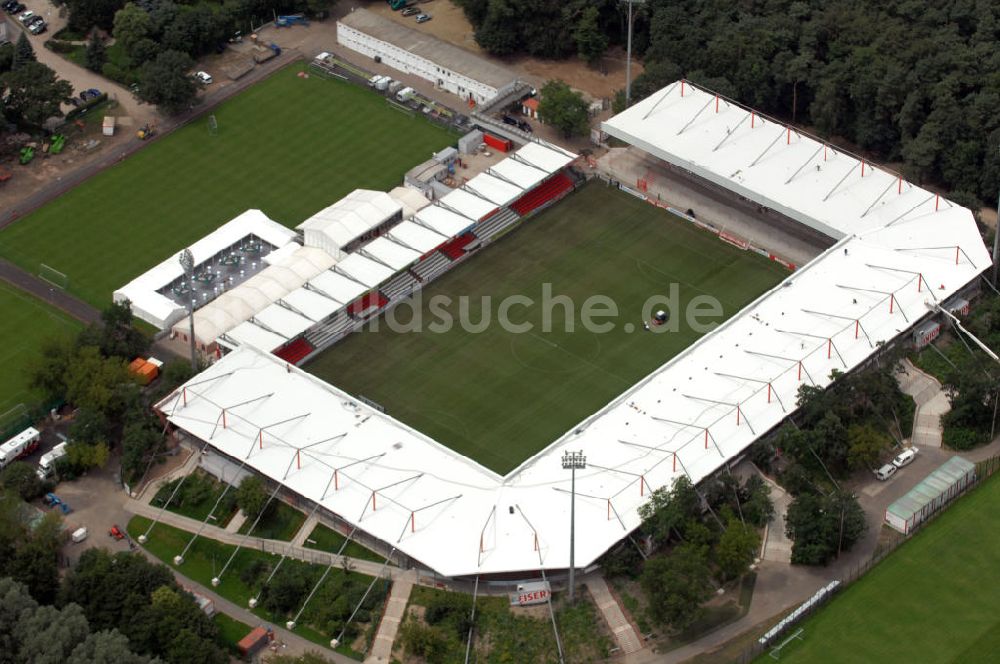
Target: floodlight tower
(628,56)
(186,259)
(996,243)
(572,461)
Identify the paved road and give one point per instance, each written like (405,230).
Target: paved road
(44,291)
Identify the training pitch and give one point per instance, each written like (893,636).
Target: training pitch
(498,396)
(933,600)
(24,322)
(289,146)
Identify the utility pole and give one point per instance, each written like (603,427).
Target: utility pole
(996,237)
(628,57)
(186,259)
(572,461)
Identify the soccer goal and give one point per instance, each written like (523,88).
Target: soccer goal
(796,636)
(213,125)
(53,276)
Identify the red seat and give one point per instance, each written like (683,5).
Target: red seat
(455,249)
(364,304)
(552,188)
(294,351)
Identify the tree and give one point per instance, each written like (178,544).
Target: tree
(34,94)
(866,445)
(89,426)
(668,512)
(591,43)
(117,336)
(83,457)
(424,641)
(96,54)
(23,52)
(251,496)
(309,657)
(676,585)
(107,647)
(498,32)
(821,527)
(132,24)
(563,108)
(21,478)
(87,14)
(6,59)
(92,380)
(165,82)
(141,441)
(736,549)
(47,369)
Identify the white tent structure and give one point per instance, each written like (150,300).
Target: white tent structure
(349,219)
(900,252)
(161,311)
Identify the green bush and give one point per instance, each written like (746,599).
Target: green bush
(57,46)
(963,438)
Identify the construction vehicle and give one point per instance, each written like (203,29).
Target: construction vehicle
(147,131)
(27,154)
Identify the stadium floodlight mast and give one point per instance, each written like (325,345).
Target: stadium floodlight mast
(186,259)
(572,461)
(628,52)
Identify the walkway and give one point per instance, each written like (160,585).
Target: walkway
(270,546)
(48,293)
(307,528)
(625,635)
(931,402)
(395,611)
(777,546)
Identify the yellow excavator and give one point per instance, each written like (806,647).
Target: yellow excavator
(147,131)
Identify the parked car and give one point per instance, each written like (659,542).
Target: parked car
(905,457)
(38,27)
(92,93)
(8,5)
(26,16)
(423,18)
(14,7)
(203,77)
(34,19)
(410,11)
(885,472)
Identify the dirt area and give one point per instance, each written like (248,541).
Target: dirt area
(449,24)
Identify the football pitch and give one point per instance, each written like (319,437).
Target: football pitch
(933,600)
(24,323)
(288,146)
(500,396)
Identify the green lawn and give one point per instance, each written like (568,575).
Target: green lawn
(231,631)
(197,497)
(499,397)
(326,539)
(206,558)
(934,600)
(24,322)
(287,145)
(280,522)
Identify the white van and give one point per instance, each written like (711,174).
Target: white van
(405,95)
(885,472)
(905,457)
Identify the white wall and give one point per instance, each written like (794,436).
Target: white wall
(409,63)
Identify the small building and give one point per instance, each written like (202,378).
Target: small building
(414,52)
(529,107)
(937,489)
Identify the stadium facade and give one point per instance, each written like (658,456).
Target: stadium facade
(900,253)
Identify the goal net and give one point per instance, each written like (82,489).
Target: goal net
(53,276)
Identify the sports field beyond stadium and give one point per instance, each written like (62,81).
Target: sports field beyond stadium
(24,322)
(498,396)
(287,145)
(933,600)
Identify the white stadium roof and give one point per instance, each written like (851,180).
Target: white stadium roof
(690,416)
(468,204)
(443,220)
(419,238)
(349,218)
(365,270)
(391,253)
(338,287)
(311,304)
(493,189)
(160,310)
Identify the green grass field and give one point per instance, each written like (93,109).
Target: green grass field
(325,539)
(499,397)
(24,322)
(287,145)
(933,600)
(280,522)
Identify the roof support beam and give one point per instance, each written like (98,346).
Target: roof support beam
(841,181)
(806,163)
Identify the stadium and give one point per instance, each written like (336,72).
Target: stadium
(899,255)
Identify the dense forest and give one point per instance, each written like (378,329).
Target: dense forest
(902,80)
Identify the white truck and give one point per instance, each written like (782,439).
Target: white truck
(405,95)
(47,465)
(19,446)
